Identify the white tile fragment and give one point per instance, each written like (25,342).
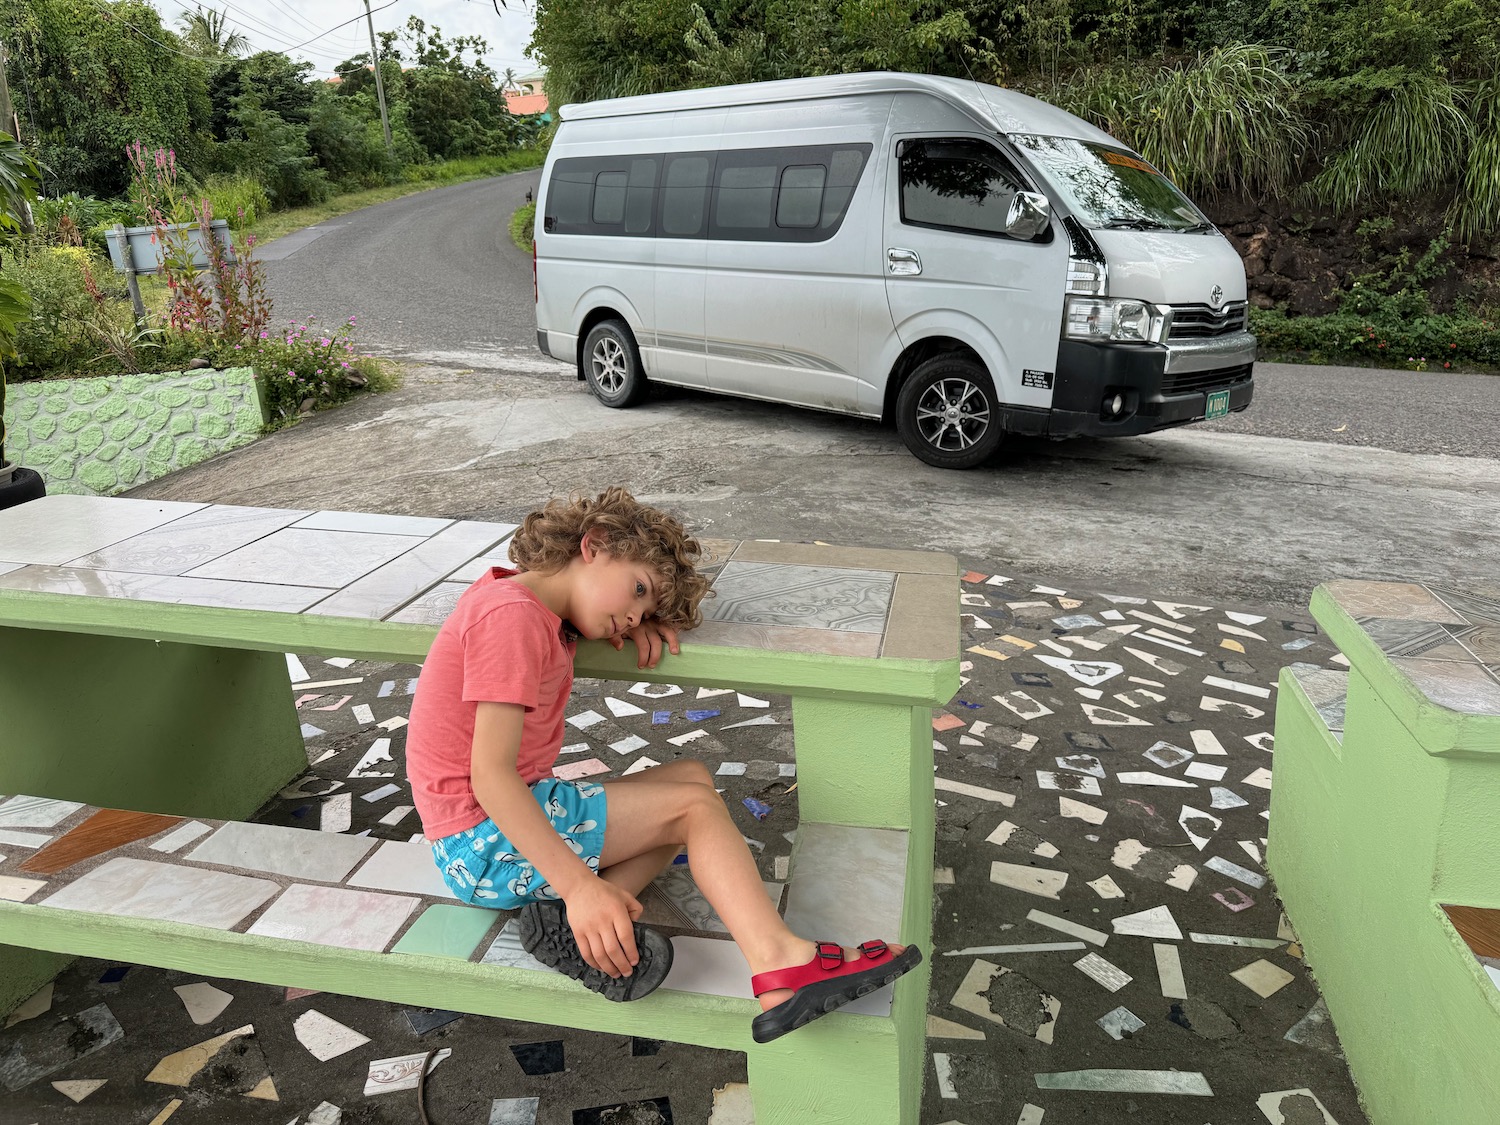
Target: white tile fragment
(1205,771)
(621,709)
(397,814)
(1169,971)
(945,785)
(337,813)
(296,673)
(1080,810)
(585,720)
(325,1038)
(1206,742)
(1069,782)
(1027,947)
(1188,1082)
(1272,1106)
(181,836)
(1154,923)
(944,1070)
(363,714)
(203,1001)
(1261,779)
(1066,926)
(1235,939)
(387,1076)
(1226,798)
(1105,887)
(1146,777)
(1030,1115)
(1120,1023)
(1103,972)
(1263,978)
(1235,871)
(1033,880)
(1195,821)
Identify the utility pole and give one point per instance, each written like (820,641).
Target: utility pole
(385,121)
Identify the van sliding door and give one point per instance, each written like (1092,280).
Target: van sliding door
(786,291)
(676,352)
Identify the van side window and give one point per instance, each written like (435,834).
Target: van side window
(800,201)
(843,175)
(957,184)
(609,197)
(640,195)
(569,197)
(684,195)
(744,196)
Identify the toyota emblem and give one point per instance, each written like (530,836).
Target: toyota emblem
(1216,295)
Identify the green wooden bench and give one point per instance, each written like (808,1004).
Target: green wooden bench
(1385,842)
(144,644)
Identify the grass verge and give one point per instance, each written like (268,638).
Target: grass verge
(423,177)
(522,224)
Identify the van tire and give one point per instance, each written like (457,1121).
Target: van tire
(612,365)
(947,413)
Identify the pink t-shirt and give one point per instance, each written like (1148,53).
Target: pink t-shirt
(499,645)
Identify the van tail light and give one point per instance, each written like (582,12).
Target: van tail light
(535,293)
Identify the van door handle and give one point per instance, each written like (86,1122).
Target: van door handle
(901,262)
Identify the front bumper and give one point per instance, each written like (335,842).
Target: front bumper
(1161,386)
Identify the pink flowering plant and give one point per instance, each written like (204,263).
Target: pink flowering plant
(225,300)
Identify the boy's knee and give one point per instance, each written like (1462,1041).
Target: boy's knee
(695,772)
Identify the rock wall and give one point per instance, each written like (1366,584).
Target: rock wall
(100,436)
(1303,261)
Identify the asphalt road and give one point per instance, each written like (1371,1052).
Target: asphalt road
(434,277)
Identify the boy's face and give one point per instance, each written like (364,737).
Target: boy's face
(610,595)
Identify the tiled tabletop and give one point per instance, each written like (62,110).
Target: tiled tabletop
(808,598)
(1445,641)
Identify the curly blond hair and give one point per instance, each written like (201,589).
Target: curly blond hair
(626,529)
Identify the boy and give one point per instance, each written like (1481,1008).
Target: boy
(486,728)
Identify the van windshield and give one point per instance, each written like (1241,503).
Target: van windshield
(1108,188)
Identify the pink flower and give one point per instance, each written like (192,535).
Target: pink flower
(325,341)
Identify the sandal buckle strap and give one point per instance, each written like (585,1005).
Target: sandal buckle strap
(830,955)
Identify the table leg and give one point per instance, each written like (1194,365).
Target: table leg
(142,725)
(820,1073)
(870,765)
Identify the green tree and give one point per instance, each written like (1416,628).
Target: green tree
(18,186)
(90,78)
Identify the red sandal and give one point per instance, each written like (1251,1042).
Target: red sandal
(825,984)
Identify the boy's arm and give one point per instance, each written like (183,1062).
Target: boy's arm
(599,912)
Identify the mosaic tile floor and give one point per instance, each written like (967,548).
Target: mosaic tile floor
(1108,946)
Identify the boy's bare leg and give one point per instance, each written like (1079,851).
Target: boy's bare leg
(648,816)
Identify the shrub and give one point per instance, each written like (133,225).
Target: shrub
(54,338)
(237,198)
(522,226)
(295,364)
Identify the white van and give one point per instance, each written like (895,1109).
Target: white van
(957,258)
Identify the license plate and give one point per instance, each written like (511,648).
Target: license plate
(1218,405)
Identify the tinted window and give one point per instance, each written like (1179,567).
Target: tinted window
(684,196)
(640,195)
(568,198)
(800,201)
(609,197)
(843,174)
(744,197)
(960,184)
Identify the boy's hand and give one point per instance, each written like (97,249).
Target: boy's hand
(601,914)
(652,639)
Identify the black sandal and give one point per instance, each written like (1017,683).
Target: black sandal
(546,935)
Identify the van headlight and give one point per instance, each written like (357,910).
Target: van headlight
(1109,318)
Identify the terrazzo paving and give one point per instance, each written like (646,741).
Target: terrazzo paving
(1108,945)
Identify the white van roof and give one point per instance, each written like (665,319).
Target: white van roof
(1005,110)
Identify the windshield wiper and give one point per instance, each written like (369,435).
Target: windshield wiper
(1199,228)
(1134,222)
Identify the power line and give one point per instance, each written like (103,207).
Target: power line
(264,31)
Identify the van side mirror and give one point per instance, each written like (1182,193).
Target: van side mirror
(1028,216)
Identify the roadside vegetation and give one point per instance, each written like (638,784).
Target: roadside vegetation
(134,123)
(522,226)
(1369,131)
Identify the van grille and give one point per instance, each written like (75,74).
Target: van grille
(1197,322)
(1195,382)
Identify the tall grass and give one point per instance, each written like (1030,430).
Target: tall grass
(1476,211)
(1410,139)
(1227,120)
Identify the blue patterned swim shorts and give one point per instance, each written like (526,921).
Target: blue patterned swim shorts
(483,868)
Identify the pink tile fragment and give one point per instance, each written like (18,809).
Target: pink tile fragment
(946,721)
(335,706)
(1244,903)
(572,771)
(301,699)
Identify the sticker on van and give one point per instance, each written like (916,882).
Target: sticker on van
(1042,379)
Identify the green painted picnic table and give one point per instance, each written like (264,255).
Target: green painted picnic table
(143,645)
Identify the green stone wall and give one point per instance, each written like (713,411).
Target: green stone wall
(101,436)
